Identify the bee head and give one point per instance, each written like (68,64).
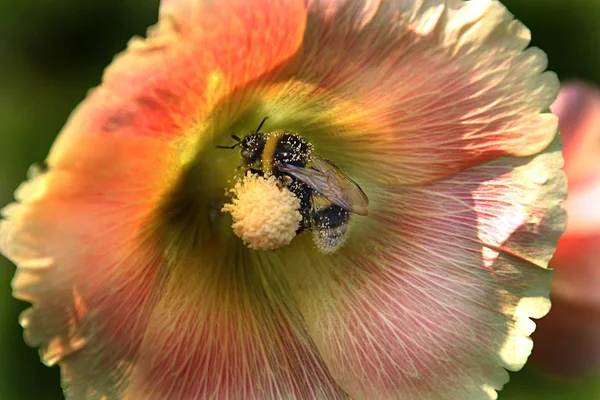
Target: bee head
(252,147)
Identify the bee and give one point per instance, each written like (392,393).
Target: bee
(327,195)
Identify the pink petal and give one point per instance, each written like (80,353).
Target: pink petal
(227,328)
(577,257)
(420,90)
(578,107)
(567,342)
(583,204)
(432,297)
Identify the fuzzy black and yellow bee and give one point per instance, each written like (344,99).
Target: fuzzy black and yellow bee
(327,195)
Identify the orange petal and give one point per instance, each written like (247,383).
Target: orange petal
(198,56)
(81,239)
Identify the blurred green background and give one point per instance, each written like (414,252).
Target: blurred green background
(53,51)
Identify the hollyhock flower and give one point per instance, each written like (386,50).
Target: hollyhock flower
(569,339)
(436,109)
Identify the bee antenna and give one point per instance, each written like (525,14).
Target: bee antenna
(261,124)
(237,139)
(228,147)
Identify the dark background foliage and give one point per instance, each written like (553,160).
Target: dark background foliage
(53,51)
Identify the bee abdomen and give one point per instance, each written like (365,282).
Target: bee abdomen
(329,227)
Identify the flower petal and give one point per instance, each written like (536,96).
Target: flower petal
(420,90)
(122,314)
(80,238)
(583,205)
(440,299)
(578,107)
(129,313)
(242,338)
(83,234)
(198,55)
(567,340)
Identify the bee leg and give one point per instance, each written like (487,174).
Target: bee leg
(286,180)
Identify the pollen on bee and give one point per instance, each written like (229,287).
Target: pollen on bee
(266,215)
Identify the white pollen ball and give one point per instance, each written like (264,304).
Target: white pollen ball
(265,215)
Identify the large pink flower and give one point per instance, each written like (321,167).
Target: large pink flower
(437,109)
(569,337)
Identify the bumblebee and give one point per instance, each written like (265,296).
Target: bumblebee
(327,196)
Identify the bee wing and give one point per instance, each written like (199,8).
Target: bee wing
(329,181)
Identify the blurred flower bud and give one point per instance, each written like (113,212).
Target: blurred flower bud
(568,339)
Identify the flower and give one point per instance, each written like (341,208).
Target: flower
(437,109)
(568,337)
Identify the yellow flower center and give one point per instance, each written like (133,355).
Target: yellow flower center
(265,214)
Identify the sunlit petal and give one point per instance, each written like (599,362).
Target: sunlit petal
(420,90)
(438,303)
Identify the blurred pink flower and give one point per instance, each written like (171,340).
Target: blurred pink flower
(438,109)
(568,339)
